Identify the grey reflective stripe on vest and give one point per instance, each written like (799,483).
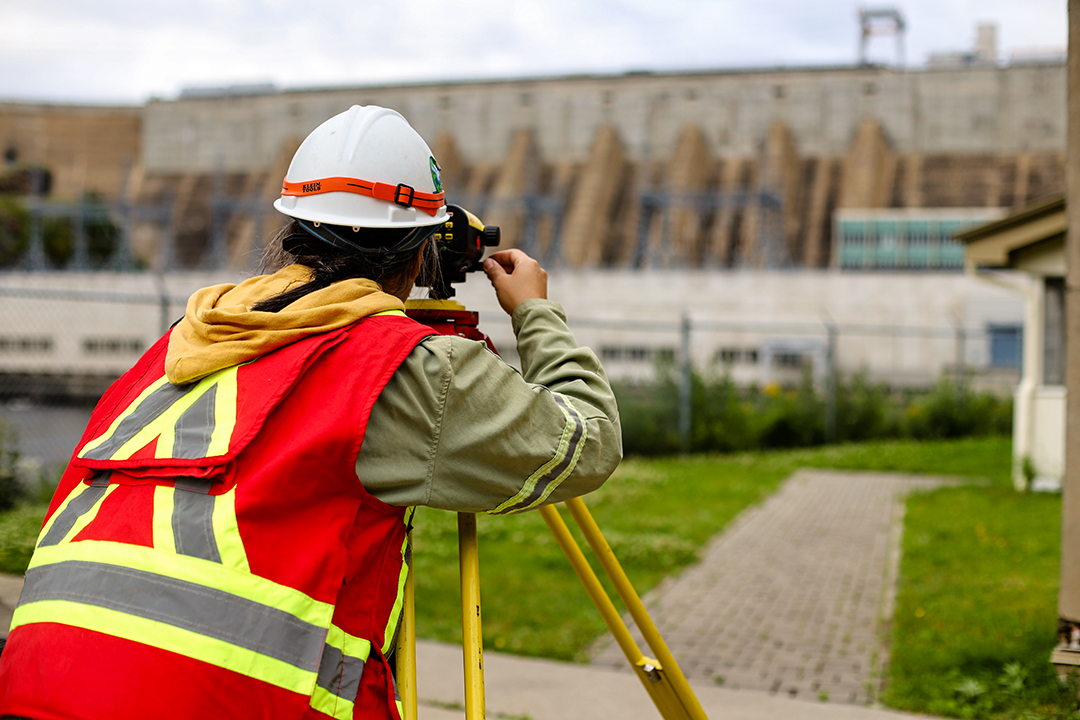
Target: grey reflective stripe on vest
(569,458)
(195,426)
(148,410)
(340,674)
(75,509)
(200,609)
(193,520)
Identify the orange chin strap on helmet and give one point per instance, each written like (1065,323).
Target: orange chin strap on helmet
(401,194)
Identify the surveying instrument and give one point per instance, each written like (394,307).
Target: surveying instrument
(461,243)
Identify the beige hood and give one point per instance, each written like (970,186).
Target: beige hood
(220,330)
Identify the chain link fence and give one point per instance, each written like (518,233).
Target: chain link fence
(68,342)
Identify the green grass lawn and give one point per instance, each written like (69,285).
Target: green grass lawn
(976,613)
(657,515)
(18,533)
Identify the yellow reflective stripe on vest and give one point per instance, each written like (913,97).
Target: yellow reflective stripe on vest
(183,642)
(224,413)
(75,513)
(215,516)
(199,609)
(187,421)
(340,671)
(390,631)
(227,532)
(123,418)
(164,506)
(551,474)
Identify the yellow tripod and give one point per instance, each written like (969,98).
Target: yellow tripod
(661,676)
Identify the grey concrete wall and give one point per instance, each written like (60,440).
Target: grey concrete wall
(966,110)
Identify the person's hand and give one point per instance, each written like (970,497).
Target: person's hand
(516,278)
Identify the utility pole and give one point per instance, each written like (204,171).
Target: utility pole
(1067,655)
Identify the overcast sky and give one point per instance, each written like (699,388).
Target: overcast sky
(127,51)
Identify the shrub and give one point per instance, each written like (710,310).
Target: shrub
(865,411)
(727,418)
(101,235)
(14,231)
(650,418)
(10,489)
(721,416)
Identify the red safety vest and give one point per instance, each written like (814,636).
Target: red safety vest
(210,551)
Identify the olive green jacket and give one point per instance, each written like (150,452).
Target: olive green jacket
(459,429)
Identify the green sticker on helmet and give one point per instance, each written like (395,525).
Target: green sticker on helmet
(436,175)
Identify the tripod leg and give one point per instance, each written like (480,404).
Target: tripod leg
(472,644)
(649,671)
(674,701)
(592,584)
(674,675)
(405,649)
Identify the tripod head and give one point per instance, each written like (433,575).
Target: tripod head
(460,241)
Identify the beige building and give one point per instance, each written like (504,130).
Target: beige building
(82,148)
(1032,241)
(718,184)
(738,169)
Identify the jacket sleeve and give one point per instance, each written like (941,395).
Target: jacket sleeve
(459,429)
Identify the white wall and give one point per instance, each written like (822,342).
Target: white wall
(884,319)
(877,314)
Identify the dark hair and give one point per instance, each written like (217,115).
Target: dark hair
(293,245)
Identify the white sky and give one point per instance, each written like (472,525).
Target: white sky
(126,51)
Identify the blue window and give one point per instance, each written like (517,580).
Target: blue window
(1005,345)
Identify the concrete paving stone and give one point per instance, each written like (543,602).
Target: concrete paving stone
(812,565)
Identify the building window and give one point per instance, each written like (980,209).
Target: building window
(637,353)
(905,239)
(112,346)
(1005,345)
(25,345)
(731,356)
(1054,332)
(790,360)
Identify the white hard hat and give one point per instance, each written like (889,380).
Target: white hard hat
(368,168)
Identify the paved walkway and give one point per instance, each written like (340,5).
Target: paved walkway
(794,598)
(524,688)
(783,618)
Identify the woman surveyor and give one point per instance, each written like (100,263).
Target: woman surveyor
(229,538)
